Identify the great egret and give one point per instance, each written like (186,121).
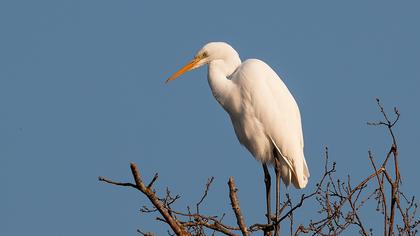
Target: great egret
(264,113)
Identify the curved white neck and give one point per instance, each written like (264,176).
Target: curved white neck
(218,73)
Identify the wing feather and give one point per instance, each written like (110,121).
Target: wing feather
(277,110)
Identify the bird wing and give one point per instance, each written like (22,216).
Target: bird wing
(277,110)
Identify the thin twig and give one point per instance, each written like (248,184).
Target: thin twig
(209,181)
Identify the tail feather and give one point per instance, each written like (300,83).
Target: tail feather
(293,170)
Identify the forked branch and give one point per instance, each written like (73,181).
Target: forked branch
(340,202)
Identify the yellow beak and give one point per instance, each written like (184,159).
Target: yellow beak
(184,69)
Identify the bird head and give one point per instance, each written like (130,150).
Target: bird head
(211,51)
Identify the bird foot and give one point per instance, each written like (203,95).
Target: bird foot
(274,218)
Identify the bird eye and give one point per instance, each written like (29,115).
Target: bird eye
(201,55)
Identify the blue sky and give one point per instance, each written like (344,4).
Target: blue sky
(82,94)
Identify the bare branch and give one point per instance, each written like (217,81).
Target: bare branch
(339,200)
(153,181)
(144,233)
(235,206)
(102,179)
(206,190)
(175,226)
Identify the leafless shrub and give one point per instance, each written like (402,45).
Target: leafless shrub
(340,202)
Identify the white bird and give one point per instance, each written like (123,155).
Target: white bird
(264,114)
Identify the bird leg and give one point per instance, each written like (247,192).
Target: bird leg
(267,181)
(277,169)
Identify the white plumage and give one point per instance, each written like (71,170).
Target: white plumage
(263,112)
(268,119)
